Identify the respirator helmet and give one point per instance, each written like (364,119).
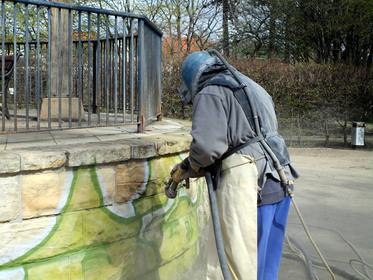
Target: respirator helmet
(197,68)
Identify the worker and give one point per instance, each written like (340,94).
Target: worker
(253,203)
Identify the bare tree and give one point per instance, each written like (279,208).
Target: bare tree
(187,24)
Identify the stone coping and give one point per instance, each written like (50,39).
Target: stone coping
(161,138)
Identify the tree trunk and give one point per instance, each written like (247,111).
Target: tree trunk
(225,28)
(178,28)
(272,32)
(327,135)
(299,130)
(345,133)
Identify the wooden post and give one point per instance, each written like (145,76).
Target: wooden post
(60,73)
(55,75)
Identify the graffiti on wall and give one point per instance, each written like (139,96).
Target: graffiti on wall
(131,231)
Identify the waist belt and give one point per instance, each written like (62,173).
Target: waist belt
(216,166)
(236,149)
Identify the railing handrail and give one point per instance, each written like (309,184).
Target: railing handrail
(90,10)
(74,41)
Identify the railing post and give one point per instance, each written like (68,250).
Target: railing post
(3,62)
(15,52)
(98,72)
(27,49)
(94,76)
(141,70)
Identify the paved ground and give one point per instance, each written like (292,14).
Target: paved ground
(335,197)
(334,194)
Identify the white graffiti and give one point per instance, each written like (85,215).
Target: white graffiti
(12,274)
(14,244)
(124,210)
(65,192)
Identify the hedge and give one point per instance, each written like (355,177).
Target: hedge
(319,100)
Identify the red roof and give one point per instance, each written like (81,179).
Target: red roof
(170,47)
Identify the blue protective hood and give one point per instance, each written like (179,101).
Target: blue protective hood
(193,67)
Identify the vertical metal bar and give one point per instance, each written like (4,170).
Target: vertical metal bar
(115,69)
(41,72)
(107,69)
(3,62)
(15,53)
(120,69)
(38,67)
(124,46)
(75,68)
(80,69)
(70,66)
(83,73)
(49,67)
(158,54)
(98,70)
(59,70)
(89,69)
(94,75)
(141,65)
(26,69)
(132,70)
(31,74)
(110,74)
(102,75)
(120,73)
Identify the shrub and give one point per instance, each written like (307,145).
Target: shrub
(311,99)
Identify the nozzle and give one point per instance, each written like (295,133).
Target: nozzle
(289,189)
(171,189)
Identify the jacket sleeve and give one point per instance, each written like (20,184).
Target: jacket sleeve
(209,130)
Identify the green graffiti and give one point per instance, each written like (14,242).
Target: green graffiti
(88,241)
(189,230)
(173,226)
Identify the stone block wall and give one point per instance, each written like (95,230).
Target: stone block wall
(98,211)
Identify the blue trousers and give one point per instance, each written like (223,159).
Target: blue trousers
(271,229)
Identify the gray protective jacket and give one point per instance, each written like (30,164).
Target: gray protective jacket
(219,124)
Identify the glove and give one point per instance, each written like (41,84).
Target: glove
(185,170)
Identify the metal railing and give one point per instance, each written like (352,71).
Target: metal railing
(80,67)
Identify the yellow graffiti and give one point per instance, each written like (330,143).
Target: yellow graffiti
(88,241)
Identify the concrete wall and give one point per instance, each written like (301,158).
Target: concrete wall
(98,211)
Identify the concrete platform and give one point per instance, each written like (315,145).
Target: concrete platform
(89,135)
(334,194)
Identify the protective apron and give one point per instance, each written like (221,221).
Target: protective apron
(237,202)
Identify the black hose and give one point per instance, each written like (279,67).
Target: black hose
(336,270)
(308,261)
(217,227)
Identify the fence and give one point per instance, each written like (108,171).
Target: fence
(80,67)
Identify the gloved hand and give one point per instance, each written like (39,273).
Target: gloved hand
(185,170)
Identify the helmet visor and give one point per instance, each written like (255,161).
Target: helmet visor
(185,94)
